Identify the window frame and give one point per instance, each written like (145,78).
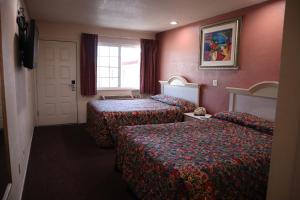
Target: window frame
(119,45)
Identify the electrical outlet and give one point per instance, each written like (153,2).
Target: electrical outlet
(215,83)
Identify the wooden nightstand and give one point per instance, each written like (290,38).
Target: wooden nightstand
(190,116)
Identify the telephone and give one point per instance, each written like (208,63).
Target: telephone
(200,111)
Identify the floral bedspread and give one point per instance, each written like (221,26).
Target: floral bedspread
(211,159)
(106,116)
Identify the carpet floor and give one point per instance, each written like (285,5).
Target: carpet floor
(4,177)
(66,164)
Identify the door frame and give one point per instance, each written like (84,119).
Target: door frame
(36,81)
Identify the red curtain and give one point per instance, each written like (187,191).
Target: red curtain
(88,64)
(149,50)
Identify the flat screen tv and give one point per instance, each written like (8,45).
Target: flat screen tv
(30,46)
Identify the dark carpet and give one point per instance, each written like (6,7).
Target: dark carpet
(66,164)
(4,177)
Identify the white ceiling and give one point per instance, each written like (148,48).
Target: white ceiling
(142,15)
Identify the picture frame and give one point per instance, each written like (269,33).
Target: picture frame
(219,45)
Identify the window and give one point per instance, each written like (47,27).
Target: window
(118,66)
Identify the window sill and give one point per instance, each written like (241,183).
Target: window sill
(117,89)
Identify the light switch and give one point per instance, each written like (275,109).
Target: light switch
(215,83)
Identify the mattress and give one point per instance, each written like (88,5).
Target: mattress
(104,117)
(204,159)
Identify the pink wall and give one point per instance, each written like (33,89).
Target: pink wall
(259,53)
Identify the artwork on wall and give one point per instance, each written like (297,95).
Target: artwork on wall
(219,45)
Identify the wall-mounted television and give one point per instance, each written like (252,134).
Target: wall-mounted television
(28,40)
(30,46)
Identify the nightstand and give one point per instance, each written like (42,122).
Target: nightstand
(190,116)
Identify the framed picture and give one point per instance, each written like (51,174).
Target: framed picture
(219,45)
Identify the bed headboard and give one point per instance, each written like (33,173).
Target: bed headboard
(260,99)
(177,86)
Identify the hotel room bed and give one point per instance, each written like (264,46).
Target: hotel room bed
(212,159)
(104,117)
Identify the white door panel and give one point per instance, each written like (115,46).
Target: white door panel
(55,73)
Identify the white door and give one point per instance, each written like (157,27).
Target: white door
(56,83)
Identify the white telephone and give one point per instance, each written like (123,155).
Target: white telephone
(200,111)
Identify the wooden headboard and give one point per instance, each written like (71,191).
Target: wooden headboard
(260,99)
(177,86)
